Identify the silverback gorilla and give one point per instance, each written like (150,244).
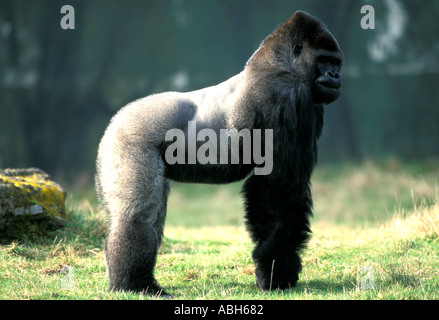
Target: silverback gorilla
(283,87)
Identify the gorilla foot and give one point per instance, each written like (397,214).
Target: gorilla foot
(270,277)
(152,290)
(157,291)
(268,283)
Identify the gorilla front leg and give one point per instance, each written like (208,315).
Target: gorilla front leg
(277,220)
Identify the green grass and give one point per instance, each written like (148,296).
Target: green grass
(378,220)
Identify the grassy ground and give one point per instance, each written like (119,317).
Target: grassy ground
(375,236)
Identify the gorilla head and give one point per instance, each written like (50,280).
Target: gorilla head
(304,49)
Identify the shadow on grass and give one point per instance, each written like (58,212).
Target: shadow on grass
(324,286)
(190,247)
(249,290)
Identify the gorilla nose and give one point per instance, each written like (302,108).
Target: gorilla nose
(333,74)
(332,79)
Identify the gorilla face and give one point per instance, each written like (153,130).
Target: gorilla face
(317,57)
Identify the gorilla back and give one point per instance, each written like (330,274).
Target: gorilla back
(282,89)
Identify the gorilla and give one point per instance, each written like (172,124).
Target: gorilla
(283,87)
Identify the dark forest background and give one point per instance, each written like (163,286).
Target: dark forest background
(59,88)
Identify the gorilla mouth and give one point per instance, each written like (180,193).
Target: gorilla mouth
(326,90)
(334,84)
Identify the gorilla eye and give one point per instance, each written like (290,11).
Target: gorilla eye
(297,49)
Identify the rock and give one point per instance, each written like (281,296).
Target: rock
(31,204)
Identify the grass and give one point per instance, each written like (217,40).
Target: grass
(375,236)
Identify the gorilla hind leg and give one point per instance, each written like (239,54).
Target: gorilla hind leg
(137,207)
(131,252)
(131,249)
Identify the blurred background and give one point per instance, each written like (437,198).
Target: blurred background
(59,88)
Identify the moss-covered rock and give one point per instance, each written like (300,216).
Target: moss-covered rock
(31,204)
